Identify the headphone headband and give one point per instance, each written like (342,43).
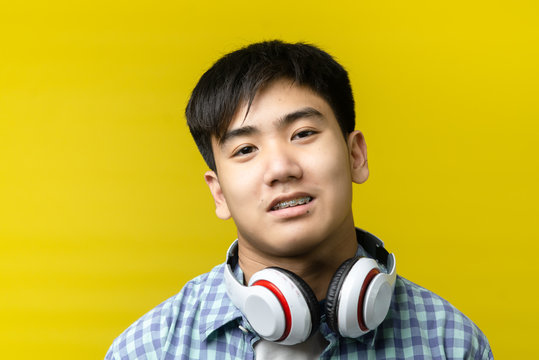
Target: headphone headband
(375,247)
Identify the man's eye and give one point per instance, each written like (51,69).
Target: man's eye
(304,134)
(245,150)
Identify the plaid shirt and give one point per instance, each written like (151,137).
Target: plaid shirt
(202,323)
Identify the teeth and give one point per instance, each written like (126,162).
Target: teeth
(292,203)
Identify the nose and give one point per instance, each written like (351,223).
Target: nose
(281,166)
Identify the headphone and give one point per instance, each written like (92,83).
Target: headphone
(281,307)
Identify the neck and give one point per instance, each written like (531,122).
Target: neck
(316,266)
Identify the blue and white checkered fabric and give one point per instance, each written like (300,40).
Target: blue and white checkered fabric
(201,323)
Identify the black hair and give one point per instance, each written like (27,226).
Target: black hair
(235,79)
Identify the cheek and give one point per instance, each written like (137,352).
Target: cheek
(240,190)
(332,163)
(330,169)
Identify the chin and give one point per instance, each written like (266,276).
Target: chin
(290,240)
(294,246)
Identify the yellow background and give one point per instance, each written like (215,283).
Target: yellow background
(103,208)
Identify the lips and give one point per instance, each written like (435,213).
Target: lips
(289,201)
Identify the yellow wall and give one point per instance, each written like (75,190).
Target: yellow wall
(103,209)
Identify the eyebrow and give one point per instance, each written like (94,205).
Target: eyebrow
(306,112)
(242,131)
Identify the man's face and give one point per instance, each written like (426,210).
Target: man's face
(285,172)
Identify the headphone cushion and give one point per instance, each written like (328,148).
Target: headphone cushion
(334,288)
(308,294)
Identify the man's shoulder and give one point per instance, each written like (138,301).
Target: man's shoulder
(420,313)
(157,330)
(424,303)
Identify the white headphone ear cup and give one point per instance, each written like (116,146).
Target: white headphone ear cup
(264,312)
(295,306)
(377,301)
(350,309)
(308,296)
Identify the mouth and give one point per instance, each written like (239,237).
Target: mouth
(302,200)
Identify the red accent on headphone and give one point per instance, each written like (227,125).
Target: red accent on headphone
(284,304)
(366,283)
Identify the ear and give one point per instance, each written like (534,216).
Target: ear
(221,207)
(358,157)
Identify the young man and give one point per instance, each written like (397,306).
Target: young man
(275,124)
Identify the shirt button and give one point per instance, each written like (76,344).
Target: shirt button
(244,330)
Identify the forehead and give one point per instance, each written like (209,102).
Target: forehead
(273,102)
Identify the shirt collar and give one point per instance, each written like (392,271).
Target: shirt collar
(217,309)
